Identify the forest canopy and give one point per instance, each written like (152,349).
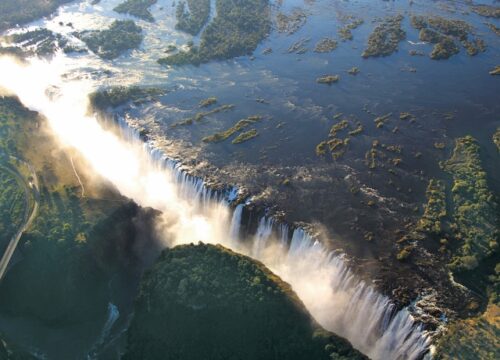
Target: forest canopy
(207,302)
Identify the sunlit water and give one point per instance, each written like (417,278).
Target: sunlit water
(193,213)
(335,298)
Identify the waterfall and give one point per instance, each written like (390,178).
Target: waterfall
(113,315)
(338,300)
(234,231)
(193,212)
(262,236)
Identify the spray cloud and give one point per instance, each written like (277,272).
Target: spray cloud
(332,294)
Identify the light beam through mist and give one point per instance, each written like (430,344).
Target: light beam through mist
(334,296)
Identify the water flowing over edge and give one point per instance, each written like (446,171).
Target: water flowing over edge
(352,309)
(192,211)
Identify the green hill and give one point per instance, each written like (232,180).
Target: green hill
(207,302)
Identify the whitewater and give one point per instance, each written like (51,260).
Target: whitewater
(192,212)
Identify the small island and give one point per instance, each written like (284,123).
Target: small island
(385,38)
(114,41)
(192,20)
(237,29)
(137,8)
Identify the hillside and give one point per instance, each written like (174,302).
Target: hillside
(207,302)
(83,235)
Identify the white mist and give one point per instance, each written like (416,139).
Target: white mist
(339,301)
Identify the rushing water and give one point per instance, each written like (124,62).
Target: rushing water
(193,212)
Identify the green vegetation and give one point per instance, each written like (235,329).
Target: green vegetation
(353,71)
(435,209)
(328,79)
(474,338)
(240,125)
(381,120)
(50,252)
(345,32)
(385,38)
(120,95)
(299,47)
(207,302)
(138,8)
(40,42)
(13,12)
(201,115)
(334,144)
(443,33)
(379,152)
(207,102)
(359,129)
(414,52)
(325,45)
(291,23)
(456,28)
(496,138)
(75,243)
(192,21)
(474,47)
(406,116)
(12,203)
(430,36)
(474,208)
(245,136)
(336,128)
(236,30)
(111,43)
(371,155)
(486,10)
(444,49)
(432,224)
(494,28)
(404,253)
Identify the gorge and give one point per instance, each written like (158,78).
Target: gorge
(193,212)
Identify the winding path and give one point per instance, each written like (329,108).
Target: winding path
(28,216)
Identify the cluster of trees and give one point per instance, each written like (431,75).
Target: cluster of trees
(207,302)
(474,338)
(385,38)
(138,8)
(75,245)
(435,210)
(466,228)
(57,271)
(41,42)
(193,20)
(111,43)
(13,12)
(474,207)
(120,95)
(443,32)
(12,205)
(10,109)
(236,30)
(238,127)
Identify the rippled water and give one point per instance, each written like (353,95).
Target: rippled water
(460,85)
